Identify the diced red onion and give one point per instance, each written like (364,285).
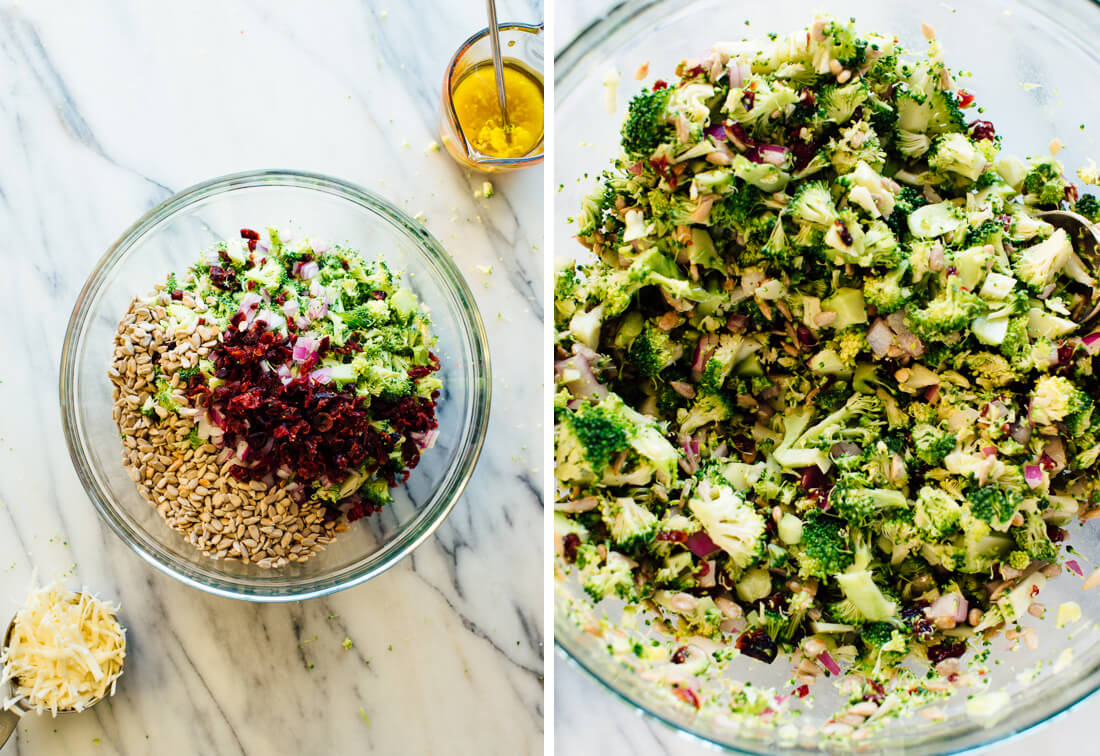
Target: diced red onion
(700,544)
(317,309)
(304,347)
(1020,432)
(947,605)
(302,321)
(324,375)
(584,386)
(717,132)
(1091,342)
(773,154)
(242,450)
(320,246)
(738,72)
(702,352)
(737,322)
(1074,567)
(250,304)
(290,308)
(827,662)
(989,451)
(880,337)
(273,321)
(425,440)
(1033,475)
(932,393)
(309,270)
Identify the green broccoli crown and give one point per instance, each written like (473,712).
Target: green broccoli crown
(905,202)
(866,506)
(994,505)
(989,232)
(615,578)
(651,352)
(931,444)
(990,370)
(877,634)
(1032,537)
(735,212)
(813,203)
(849,344)
(601,432)
(885,293)
(1057,399)
(949,312)
(1046,183)
(846,613)
(1089,207)
(646,127)
(631,525)
(823,550)
(937,513)
(1018,560)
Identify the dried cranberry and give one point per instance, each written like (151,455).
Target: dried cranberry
(687,695)
(844,234)
(223,278)
(660,165)
(378,294)
(982,130)
(758,645)
(680,656)
(805,336)
(966,99)
(252,236)
(676,536)
(802,691)
(1056,534)
(936,654)
(748,99)
(913,615)
(659,85)
(569,546)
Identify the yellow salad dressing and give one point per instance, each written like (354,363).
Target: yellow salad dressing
(475,105)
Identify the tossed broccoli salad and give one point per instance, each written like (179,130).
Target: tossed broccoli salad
(821,388)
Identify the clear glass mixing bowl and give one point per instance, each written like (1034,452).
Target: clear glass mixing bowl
(169,238)
(1007,46)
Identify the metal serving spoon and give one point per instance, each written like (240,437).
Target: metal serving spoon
(1086,243)
(9,720)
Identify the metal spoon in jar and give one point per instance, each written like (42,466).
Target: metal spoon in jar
(498,64)
(1086,243)
(9,719)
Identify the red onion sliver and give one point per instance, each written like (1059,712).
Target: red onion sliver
(700,545)
(1033,474)
(828,663)
(1072,565)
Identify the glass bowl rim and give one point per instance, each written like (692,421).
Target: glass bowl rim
(568,73)
(470,442)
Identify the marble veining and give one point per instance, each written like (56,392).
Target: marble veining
(106,108)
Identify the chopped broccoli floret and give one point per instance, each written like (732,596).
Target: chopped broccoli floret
(885,293)
(1032,538)
(937,514)
(950,311)
(631,525)
(823,550)
(1045,183)
(652,351)
(1038,265)
(1056,399)
(614,578)
(931,445)
(646,125)
(1089,207)
(731,522)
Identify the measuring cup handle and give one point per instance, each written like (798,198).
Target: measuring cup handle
(8,722)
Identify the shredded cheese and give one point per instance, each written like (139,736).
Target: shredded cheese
(66,651)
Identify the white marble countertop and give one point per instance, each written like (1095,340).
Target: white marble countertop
(589,719)
(107,108)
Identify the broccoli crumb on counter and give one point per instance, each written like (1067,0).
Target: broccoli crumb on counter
(820,387)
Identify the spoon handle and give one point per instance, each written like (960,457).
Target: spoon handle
(498,62)
(8,722)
